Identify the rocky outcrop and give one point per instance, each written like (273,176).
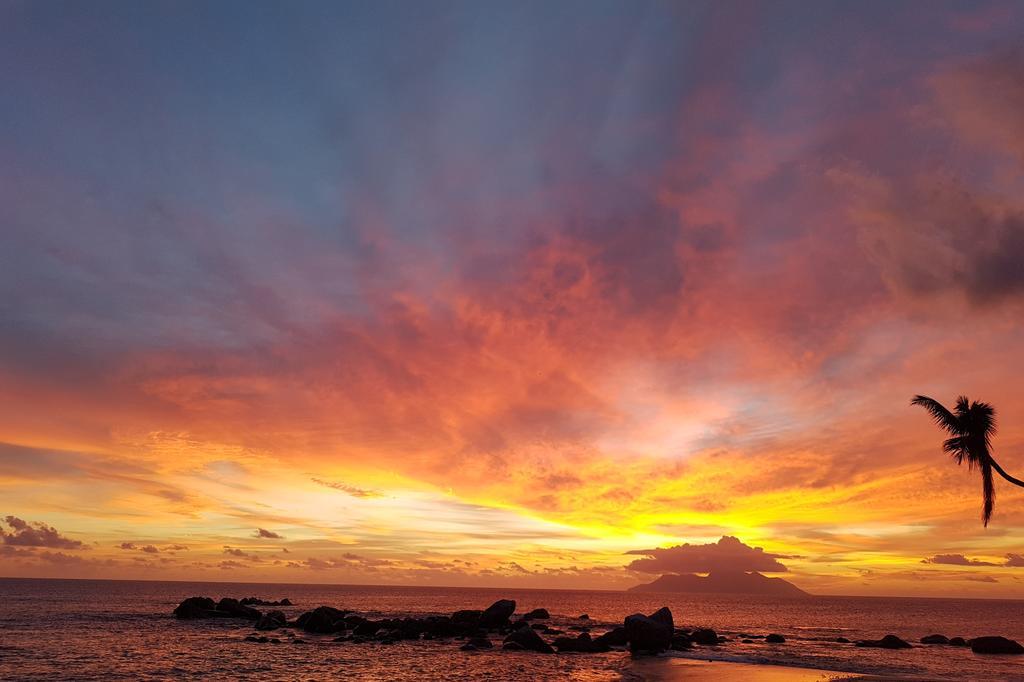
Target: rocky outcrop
(529,640)
(995,645)
(614,637)
(704,637)
(650,634)
(323,620)
(256,601)
(195,607)
(204,607)
(934,639)
(582,644)
(537,614)
(271,620)
(887,642)
(497,614)
(467,616)
(237,610)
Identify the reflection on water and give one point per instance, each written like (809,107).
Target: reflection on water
(52,629)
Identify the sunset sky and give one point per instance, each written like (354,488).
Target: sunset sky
(497,293)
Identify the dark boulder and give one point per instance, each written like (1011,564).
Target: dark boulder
(957,641)
(480,642)
(681,642)
(584,616)
(651,633)
(664,616)
(704,637)
(995,645)
(513,646)
(467,617)
(235,609)
(256,601)
(614,637)
(537,614)
(195,607)
(538,626)
(497,614)
(271,620)
(747,641)
(887,642)
(842,640)
(322,620)
(775,639)
(528,639)
(935,639)
(367,628)
(582,644)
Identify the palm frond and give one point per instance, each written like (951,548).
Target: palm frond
(943,417)
(957,447)
(983,418)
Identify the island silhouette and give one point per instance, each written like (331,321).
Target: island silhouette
(722,582)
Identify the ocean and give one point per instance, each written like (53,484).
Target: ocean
(110,630)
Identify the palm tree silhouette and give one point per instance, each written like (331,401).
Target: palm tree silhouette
(970,427)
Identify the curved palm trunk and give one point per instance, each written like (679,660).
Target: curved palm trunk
(1008,477)
(988,489)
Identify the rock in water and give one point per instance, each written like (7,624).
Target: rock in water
(775,639)
(322,619)
(887,642)
(995,645)
(195,607)
(528,639)
(480,643)
(614,637)
(467,617)
(235,608)
(651,633)
(537,614)
(957,641)
(704,637)
(934,639)
(582,644)
(497,614)
(271,620)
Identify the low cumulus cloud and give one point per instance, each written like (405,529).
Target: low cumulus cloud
(728,554)
(1012,560)
(264,533)
(956,560)
(26,534)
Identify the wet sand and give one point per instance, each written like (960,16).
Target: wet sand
(658,669)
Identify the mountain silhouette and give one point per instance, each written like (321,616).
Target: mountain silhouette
(722,582)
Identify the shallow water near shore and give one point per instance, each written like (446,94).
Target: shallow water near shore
(91,630)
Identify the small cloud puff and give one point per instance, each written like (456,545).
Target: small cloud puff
(25,534)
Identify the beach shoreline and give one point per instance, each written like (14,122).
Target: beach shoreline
(676,669)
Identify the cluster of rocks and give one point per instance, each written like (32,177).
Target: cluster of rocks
(642,634)
(204,607)
(979,645)
(256,601)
